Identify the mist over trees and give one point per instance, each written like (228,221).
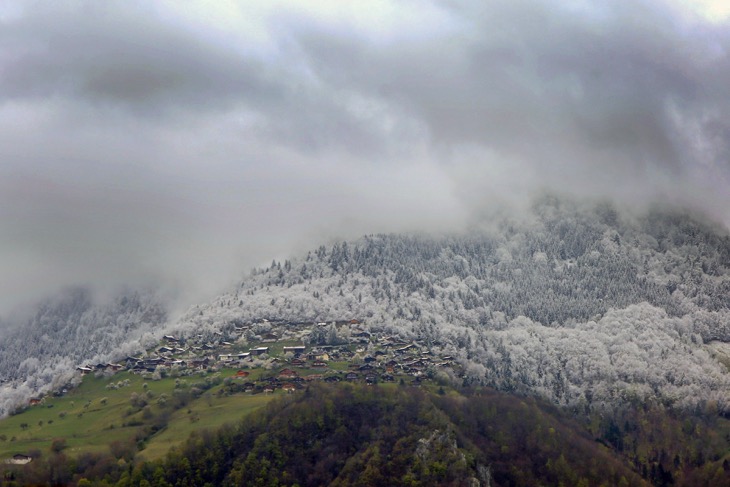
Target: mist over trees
(41,354)
(585,305)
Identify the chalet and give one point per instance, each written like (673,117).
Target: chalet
(297,362)
(19,459)
(295,349)
(361,334)
(287,374)
(143,367)
(242,374)
(243,355)
(319,363)
(34,401)
(170,339)
(369,359)
(289,388)
(259,350)
(334,378)
(371,379)
(365,368)
(165,350)
(314,377)
(387,378)
(351,376)
(320,353)
(269,337)
(153,360)
(83,370)
(416,364)
(200,363)
(225,357)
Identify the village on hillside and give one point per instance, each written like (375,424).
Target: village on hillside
(289,355)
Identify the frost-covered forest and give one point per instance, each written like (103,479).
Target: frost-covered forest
(585,305)
(41,354)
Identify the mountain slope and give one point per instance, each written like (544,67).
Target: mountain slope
(344,435)
(582,304)
(587,305)
(41,354)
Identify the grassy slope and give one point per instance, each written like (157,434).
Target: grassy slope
(88,425)
(92,416)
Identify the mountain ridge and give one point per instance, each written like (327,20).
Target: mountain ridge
(616,294)
(570,302)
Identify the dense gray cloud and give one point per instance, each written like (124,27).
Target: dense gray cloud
(187,142)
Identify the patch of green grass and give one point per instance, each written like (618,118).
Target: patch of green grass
(92,416)
(209,412)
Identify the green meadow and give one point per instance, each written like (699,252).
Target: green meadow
(127,411)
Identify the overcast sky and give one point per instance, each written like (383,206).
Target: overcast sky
(190,141)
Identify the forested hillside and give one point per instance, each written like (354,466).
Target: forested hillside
(586,305)
(363,435)
(41,354)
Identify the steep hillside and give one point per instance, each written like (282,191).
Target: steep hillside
(42,353)
(362,436)
(382,435)
(585,305)
(311,430)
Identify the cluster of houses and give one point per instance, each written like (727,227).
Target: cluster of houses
(385,360)
(289,366)
(364,358)
(405,363)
